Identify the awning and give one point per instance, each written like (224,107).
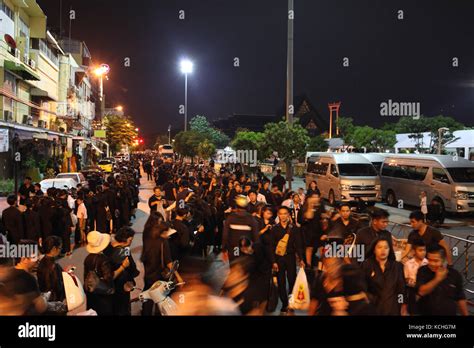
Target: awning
(43,136)
(97,149)
(38,92)
(22,70)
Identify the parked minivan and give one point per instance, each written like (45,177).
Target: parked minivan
(376,159)
(344,177)
(447,179)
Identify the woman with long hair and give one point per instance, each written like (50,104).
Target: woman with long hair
(385,279)
(50,272)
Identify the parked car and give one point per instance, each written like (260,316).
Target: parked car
(78,177)
(344,177)
(106,165)
(446,179)
(89,170)
(60,183)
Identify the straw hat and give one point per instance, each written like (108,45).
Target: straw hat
(96,242)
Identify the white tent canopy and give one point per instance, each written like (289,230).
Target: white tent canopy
(464,140)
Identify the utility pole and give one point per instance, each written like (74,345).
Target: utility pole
(289,64)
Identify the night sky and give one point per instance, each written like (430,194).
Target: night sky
(406,60)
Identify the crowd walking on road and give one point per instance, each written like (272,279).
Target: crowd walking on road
(235,243)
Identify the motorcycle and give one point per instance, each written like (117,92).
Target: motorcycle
(159,293)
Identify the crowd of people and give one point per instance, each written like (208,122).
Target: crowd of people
(240,239)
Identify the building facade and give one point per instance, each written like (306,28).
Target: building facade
(47,102)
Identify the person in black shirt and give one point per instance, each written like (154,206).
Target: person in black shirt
(157,202)
(311,227)
(313,188)
(179,241)
(252,204)
(279,180)
(157,259)
(31,222)
(238,224)
(50,272)
(377,229)
(348,224)
(440,287)
(12,221)
(25,189)
(339,290)
(117,251)
(170,190)
(266,192)
(385,279)
(284,256)
(37,190)
(430,236)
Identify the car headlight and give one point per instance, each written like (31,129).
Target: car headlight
(345,187)
(462,195)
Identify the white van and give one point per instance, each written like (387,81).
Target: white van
(376,159)
(446,179)
(166,150)
(344,177)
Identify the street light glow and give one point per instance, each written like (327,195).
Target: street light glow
(100,71)
(119,108)
(186,66)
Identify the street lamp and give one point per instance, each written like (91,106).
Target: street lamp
(186,68)
(169,134)
(119,108)
(440,135)
(100,72)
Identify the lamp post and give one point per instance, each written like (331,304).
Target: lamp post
(186,68)
(440,136)
(100,72)
(169,134)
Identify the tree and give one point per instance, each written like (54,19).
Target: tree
(200,124)
(289,140)
(186,143)
(206,149)
(346,129)
(416,128)
(120,131)
(161,139)
(247,140)
(318,143)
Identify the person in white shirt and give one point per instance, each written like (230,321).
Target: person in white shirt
(301,194)
(410,270)
(82,218)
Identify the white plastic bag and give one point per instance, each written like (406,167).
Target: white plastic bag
(299,298)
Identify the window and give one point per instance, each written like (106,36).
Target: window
(462,174)
(417,173)
(334,171)
(24,29)
(440,175)
(46,50)
(321,168)
(387,170)
(357,169)
(7,10)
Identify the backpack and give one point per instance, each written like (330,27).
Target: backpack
(94,284)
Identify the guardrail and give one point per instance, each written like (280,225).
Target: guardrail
(461,248)
(463,259)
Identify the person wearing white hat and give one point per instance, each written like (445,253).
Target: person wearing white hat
(99,275)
